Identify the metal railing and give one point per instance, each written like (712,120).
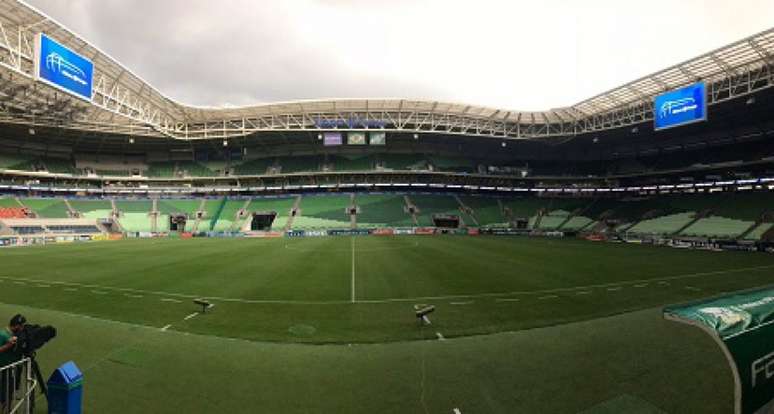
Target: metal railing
(17,388)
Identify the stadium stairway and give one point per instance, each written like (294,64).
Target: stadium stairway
(292,216)
(241,217)
(154,215)
(73,213)
(750,230)
(409,207)
(352,217)
(766,232)
(467,211)
(200,213)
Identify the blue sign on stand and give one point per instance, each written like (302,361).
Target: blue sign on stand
(62,68)
(680,107)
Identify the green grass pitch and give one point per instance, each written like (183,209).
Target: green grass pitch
(326,324)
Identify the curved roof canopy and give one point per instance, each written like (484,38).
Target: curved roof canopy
(123,103)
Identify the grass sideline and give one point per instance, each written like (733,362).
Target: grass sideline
(562,369)
(600,339)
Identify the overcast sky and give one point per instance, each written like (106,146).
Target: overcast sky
(522,55)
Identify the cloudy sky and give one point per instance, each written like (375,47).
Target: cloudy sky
(523,55)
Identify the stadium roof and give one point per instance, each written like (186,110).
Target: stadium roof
(123,103)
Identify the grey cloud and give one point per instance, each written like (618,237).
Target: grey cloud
(234,53)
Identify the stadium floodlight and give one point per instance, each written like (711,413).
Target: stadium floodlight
(225,143)
(421,312)
(204,303)
(416,136)
(131,140)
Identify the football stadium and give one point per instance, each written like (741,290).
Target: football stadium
(383,255)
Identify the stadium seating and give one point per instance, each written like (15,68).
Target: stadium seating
(486,210)
(453,164)
(403,162)
(135,215)
(527,207)
(430,205)
(136,222)
(166,207)
(13,212)
(323,211)
(9,202)
(759,231)
(12,161)
(47,207)
(93,209)
(227,216)
(254,167)
(382,211)
(298,164)
(663,225)
(161,169)
(554,219)
(280,205)
(352,163)
(576,223)
(192,169)
(715,226)
(59,166)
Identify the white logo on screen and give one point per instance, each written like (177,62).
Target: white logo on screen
(59,64)
(727,316)
(678,106)
(763,367)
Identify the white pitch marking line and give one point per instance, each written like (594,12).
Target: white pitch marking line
(642,285)
(43,286)
(353,269)
(166,327)
(170,300)
(507,300)
(129,295)
(462,303)
(614,289)
(695,289)
(98,292)
(390,300)
(71,289)
(190,316)
(583,292)
(440,337)
(548,297)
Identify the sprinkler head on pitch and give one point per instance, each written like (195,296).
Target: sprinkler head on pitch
(421,312)
(204,303)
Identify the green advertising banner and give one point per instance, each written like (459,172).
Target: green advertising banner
(743,325)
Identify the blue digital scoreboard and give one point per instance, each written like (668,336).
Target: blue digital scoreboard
(680,107)
(62,68)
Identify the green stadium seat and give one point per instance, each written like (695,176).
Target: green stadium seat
(323,211)
(378,210)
